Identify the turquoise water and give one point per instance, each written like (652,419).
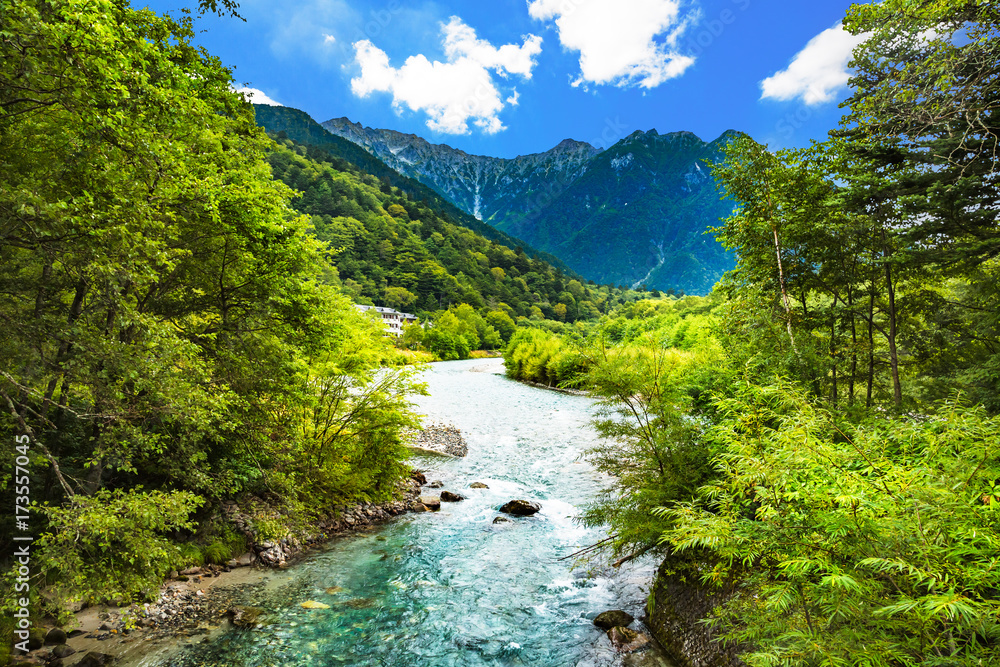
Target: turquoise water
(450,587)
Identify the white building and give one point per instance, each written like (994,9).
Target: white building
(392,319)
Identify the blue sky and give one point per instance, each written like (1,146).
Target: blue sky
(509,77)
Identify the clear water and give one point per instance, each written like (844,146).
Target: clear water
(450,587)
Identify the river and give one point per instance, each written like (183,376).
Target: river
(451,588)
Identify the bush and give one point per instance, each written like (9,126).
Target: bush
(111,545)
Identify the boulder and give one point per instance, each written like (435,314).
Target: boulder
(478,485)
(449,497)
(436,484)
(191,571)
(625,640)
(418,477)
(63,651)
(245,560)
(613,618)
(95,659)
(418,507)
(520,508)
(56,636)
(431,502)
(501,519)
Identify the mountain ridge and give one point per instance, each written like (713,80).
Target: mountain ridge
(572,200)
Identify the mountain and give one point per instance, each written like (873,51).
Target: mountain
(386,248)
(489,188)
(300,127)
(636,213)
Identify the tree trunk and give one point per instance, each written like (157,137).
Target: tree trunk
(854,346)
(897,390)
(871,345)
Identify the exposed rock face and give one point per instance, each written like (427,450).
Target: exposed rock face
(676,605)
(613,618)
(520,508)
(484,186)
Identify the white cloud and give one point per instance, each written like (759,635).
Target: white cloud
(454,92)
(328,39)
(623,44)
(255,96)
(816,72)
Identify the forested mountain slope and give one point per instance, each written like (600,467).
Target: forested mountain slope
(636,213)
(298,126)
(389,249)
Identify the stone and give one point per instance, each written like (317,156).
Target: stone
(55,636)
(613,618)
(478,485)
(245,617)
(501,519)
(520,508)
(95,659)
(625,640)
(431,502)
(418,477)
(313,604)
(173,574)
(449,497)
(104,627)
(191,571)
(436,484)
(63,651)
(418,507)
(245,560)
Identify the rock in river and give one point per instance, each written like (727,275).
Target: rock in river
(449,497)
(612,618)
(478,485)
(431,502)
(56,636)
(626,640)
(95,659)
(520,508)
(313,604)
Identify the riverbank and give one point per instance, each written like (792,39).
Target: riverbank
(195,602)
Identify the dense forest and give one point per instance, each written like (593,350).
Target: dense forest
(819,438)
